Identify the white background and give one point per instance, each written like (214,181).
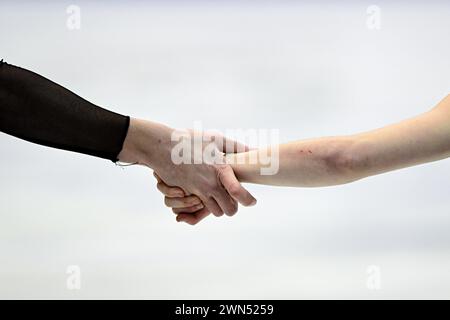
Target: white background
(306,69)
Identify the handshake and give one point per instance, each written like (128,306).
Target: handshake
(193,188)
(207,180)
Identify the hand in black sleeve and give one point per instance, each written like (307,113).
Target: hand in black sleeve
(38,110)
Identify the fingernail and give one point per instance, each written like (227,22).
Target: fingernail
(253,203)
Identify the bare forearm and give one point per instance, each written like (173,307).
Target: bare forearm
(338,160)
(306,163)
(418,140)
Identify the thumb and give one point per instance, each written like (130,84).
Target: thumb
(234,187)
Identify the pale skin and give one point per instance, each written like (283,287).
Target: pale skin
(337,160)
(215,186)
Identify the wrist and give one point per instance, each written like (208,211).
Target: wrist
(239,162)
(147,143)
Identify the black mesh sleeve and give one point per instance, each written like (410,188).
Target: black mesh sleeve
(38,110)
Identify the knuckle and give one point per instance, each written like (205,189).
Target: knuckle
(234,189)
(221,171)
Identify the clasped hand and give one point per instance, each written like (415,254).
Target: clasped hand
(215,188)
(193,190)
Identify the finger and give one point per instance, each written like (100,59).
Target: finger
(234,187)
(168,190)
(213,207)
(226,202)
(193,218)
(183,202)
(171,192)
(188,209)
